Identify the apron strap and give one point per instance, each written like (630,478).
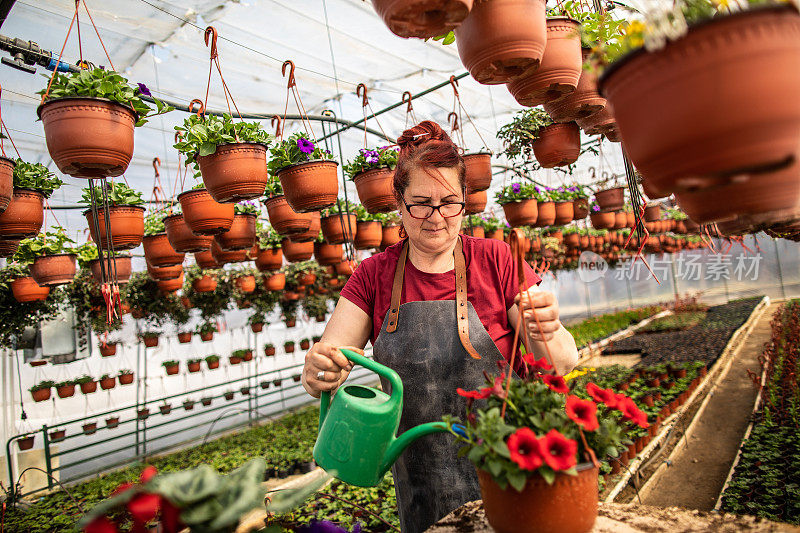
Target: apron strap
(462,319)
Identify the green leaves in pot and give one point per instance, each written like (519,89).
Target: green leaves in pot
(267,236)
(45,243)
(35,176)
(519,134)
(366,159)
(118,194)
(296,149)
(154,223)
(246,208)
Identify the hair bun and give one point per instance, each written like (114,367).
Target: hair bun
(425,131)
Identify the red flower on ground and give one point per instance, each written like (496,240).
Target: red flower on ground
(559,452)
(101,524)
(474,394)
(556,383)
(536,364)
(582,412)
(525,449)
(605,396)
(631,412)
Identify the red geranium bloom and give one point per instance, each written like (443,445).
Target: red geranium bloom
(536,364)
(582,412)
(559,451)
(556,383)
(605,396)
(525,449)
(474,394)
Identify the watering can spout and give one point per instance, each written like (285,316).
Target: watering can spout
(403,441)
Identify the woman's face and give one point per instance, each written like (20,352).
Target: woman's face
(434,234)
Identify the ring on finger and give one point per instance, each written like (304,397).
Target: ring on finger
(321,375)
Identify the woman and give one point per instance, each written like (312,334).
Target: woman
(409,301)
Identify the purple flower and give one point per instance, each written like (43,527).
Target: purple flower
(595,208)
(143,89)
(516,188)
(373,159)
(305,145)
(537,189)
(326,526)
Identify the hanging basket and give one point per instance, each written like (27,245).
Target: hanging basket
(108,383)
(682,131)
(565,213)
(269,259)
(164,273)
(390,235)
(422,18)
(24,216)
(546,215)
(620,219)
(125,379)
(283,218)
(313,229)
(557,145)
(181,237)
(476,202)
(127,226)
(560,69)
(610,199)
(25,289)
(369,234)
(275,282)
(245,283)
(311,185)
(241,236)
(522,213)
(66,391)
(170,285)
(583,102)
(297,251)
(569,505)
(150,341)
(338,228)
(222,257)
(502,39)
(88,137)
(185,337)
(41,395)
(159,252)
(478,171)
(26,443)
(8,248)
(108,349)
(602,220)
(206,259)
(475,231)
(203,214)
(235,172)
(652,213)
(121,264)
(580,207)
(328,254)
(376,190)
(6,181)
(88,387)
(51,270)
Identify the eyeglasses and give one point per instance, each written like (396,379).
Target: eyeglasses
(423,211)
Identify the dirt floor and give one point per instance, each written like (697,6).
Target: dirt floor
(698,470)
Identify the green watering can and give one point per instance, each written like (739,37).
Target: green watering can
(356,440)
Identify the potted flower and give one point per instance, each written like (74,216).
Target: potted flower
(184,337)
(107,349)
(24,213)
(288,346)
(610,197)
(212,361)
(234,358)
(307,173)
(111,423)
(265,385)
(414,20)
(89,258)
(157,249)
(143,413)
(51,259)
(89,117)
(228,395)
(297,251)
(181,237)
(277,382)
(242,234)
(206,331)
(245,354)
(522,132)
(65,389)
(269,349)
(372,171)
(165,408)
(338,222)
(305,344)
(245,390)
(188,404)
(601,219)
(296,378)
(325,253)
(87,384)
(172,367)
(275,282)
(244,280)
(390,230)
(206,400)
(203,214)
(107,382)
(270,255)
(472,225)
(150,338)
(369,231)
(57,435)
(285,220)
(42,390)
(125,376)
(256,322)
(493,227)
(519,202)
(564,207)
(125,215)
(230,156)
(193,365)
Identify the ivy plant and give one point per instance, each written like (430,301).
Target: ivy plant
(296,149)
(118,194)
(35,176)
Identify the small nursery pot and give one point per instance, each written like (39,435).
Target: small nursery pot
(375,190)
(203,214)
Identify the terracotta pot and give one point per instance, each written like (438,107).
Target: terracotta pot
(159,252)
(523,213)
(389,235)
(275,282)
(630,219)
(206,259)
(88,387)
(475,231)
(205,283)
(600,123)
(655,94)
(182,239)
(346,268)
(297,251)
(53,270)
(479,171)
(603,220)
(185,337)
(235,172)
(368,234)
(422,18)
(203,214)
(25,289)
(164,273)
(652,212)
(151,341)
(206,401)
(26,443)
(620,219)
(24,215)
(41,395)
(57,435)
(269,259)
(328,254)
(581,103)
(235,360)
(310,186)
(108,349)
(120,264)
(88,137)
(241,236)
(610,199)
(557,145)
(559,70)
(212,364)
(8,248)
(546,214)
(496,234)
(108,383)
(188,405)
(283,218)
(313,229)
(338,228)
(65,391)
(165,409)
(172,369)
(143,414)
(256,327)
(127,226)
(222,257)
(245,283)
(289,348)
(206,336)
(476,202)
(580,207)
(375,190)
(564,213)
(572,240)
(125,379)
(6,181)
(502,39)
(569,505)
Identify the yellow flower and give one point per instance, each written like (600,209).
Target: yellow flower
(634,32)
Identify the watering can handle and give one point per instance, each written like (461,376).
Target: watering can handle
(369,364)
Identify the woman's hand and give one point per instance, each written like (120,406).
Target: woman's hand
(545,305)
(325,368)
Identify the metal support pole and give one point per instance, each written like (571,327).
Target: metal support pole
(138,384)
(47,459)
(144,403)
(780,270)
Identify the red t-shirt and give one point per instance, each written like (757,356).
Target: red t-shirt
(491,286)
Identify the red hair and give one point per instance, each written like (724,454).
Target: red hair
(426,146)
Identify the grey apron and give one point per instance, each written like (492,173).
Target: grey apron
(426,350)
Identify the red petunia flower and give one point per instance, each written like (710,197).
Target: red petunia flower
(536,364)
(556,383)
(582,412)
(474,394)
(605,396)
(559,451)
(525,449)
(631,412)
